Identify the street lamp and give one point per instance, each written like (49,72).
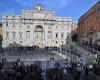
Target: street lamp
(69,44)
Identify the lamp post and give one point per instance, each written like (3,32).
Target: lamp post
(69,52)
(69,44)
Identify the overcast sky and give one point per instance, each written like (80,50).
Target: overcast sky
(71,8)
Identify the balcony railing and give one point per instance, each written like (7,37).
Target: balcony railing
(91,30)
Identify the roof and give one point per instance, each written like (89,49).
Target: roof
(89,10)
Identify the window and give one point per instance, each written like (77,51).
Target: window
(20,35)
(13,24)
(27,34)
(56,41)
(68,35)
(6,16)
(87,22)
(62,35)
(13,34)
(6,23)
(7,34)
(56,27)
(19,23)
(62,42)
(91,21)
(19,16)
(56,35)
(20,41)
(49,32)
(50,35)
(97,18)
(98,9)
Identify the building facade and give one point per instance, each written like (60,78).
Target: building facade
(37,27)
(75,26)
(89,25)
(74,33)
(1,33)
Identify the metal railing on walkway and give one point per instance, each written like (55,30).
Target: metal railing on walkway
(94,76)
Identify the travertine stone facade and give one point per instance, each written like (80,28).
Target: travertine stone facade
(36,27)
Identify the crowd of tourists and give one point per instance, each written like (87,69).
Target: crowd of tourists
(90,46)
(28,48)
(19,71)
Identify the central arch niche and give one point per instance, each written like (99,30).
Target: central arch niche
(39,28)
(39,35)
